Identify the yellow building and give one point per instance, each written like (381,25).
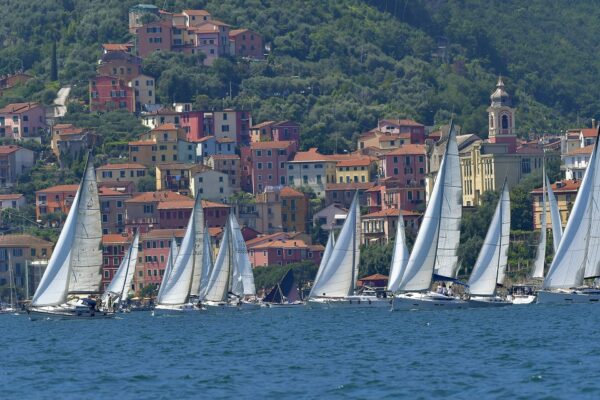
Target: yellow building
(565,192)
(159,145)
(355,168)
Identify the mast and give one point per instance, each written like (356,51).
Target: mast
(500,238)
(353,285)
(129,253)
(230,259)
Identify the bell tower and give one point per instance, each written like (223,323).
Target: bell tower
(502,118)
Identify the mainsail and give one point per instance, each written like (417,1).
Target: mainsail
(554,217)
(422,261)
(491,263)
(577,254)
(540,259)
(121,282)
(207,265)
(86,250)
(446,260)
(184,278)
(339,274)
(80,235)
(326,254)
(243,278)
(219,282)
(168,268)
(399,257)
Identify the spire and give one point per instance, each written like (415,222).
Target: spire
(500,97)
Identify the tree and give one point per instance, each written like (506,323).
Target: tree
(146,184)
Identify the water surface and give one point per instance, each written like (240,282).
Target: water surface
(520,352)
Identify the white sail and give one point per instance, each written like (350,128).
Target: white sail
(540,259)
(491,261)
(446,261)
(54,285)
(339,275)
(187,266)
(86,247)
(569,264)
(219,282)
(199,257)
(168,268)
(241,262)
(421,262)
(207,265)
(326,254)
(554,217)
(121,282)
(399,256)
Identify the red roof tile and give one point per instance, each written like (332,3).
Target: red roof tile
(390,212)
(18,108)
(114,238)
(287,191)
(23,241)
(589,132)
(401,122)
(271,145)
(121,166)
(581,150)
(9,149)
(160,196)
(408,149)
(195,12)
(163,234)
(142,143)
(262,124)
(166,127)
(566,185)
(15,196)
(311,155)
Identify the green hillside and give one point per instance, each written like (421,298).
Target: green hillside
(338,66)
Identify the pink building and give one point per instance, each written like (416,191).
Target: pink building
(154,251)
(408,163)
(211,38)
(247,43)
(415,130)
(109,93)
(286,130)
(193,123)
(284,252)
(114,247)
(268,163)
(22,120)
(154,36)
(392,193)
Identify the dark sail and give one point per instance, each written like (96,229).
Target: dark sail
(285,291)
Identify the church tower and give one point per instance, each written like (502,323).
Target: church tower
(502,118)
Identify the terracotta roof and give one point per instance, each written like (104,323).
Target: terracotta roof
(566,185)
(22,241)
(581,150)
(589,132)
(14,196)
(265,238)
(18,108)
(289,192)
(356,161)
(9,149)
(316,247)
(262,124)
(60,188)
(401,122)
(165,195)
(374,277)
(408,149)
(213,204)
(205,138)
(209,27)
(311,155)
(215,231)
(166,127)
(284,244)
(236,32)
(350,186)
(114,238)
(163,234)
(142,143)
(225,140)
(121,166)
(393,212)
(177,204)
(271,145)
(195,12)
(117,46)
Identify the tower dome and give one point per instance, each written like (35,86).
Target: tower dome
(500,97)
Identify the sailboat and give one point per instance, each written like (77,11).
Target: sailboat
(434,254)
(231,283)
(12,306)
(182,283)
(73,271)
(115,295)
(335,284)
(399,257)
(578,255)
(490,267)
(285,294)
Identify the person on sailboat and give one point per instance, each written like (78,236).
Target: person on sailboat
(450,291)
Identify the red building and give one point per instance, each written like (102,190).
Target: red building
(114,247)
(284,252)
(154,251)
(154,36)
(392,193)
(268,163)
(407,163)
(194,125)
(109,93)
(247,43)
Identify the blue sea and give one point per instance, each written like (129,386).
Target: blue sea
(519,352)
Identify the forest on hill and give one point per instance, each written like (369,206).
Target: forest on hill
(338,66)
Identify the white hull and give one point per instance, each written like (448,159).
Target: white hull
(426,301)
(350,301)
(483,301)
(295,304)
(176,309)
(235,306)
(567,297)
(67,311)
(522,299)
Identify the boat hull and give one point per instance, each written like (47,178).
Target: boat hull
(222,305)
(67,312)
(481,301)
(350,302)
(426,301)
(523,299)
(295,304)
(176,309)
(567,297)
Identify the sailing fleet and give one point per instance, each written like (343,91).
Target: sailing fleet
(195,282)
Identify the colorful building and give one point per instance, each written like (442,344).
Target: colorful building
(21,121)
(230,165)
(23,258)
(119,64)
(268,162)
(70,140)
(14,161)
(380,227)
(108,93)
(246,43)
(284,252)
(114,247)
(355,168)
(311,169)
(129,172)
(565,192)
(154,252)
(144,90)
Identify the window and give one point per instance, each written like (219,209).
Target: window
(505,121)
(224,128)
(17,252)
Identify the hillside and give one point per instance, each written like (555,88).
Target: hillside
(338,66)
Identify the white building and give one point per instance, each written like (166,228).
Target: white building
(312,169)
(575,162)
(211,185)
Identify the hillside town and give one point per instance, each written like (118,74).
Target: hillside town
(284,195)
